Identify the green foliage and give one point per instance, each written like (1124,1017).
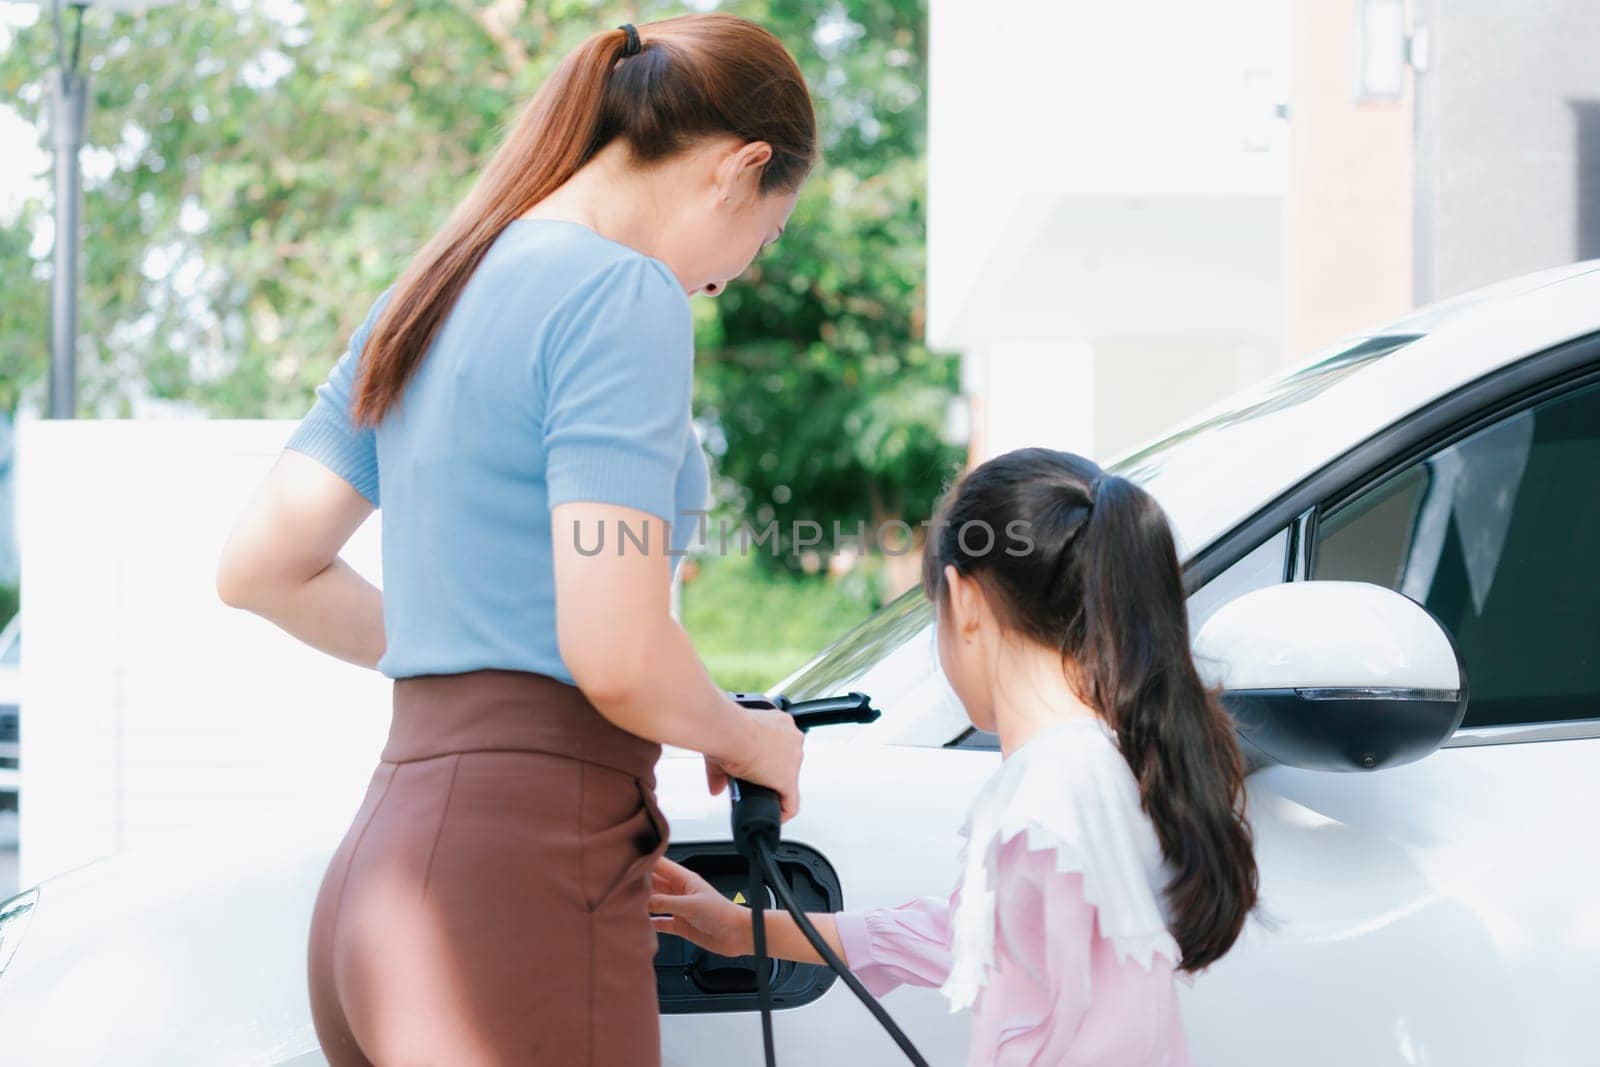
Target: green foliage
(830,409)
(752,625)
(273,176)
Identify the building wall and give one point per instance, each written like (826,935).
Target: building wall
(1149,385)
(1114,207)
(1105,195)
(1508,140)
(1347,212)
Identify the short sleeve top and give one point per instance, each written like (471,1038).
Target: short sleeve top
(562,373)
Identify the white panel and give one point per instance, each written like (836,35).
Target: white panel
(149,707)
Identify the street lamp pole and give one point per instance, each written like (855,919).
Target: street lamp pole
(69,98)
(69,95)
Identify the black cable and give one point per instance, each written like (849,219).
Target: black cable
(758,903)
(775,876)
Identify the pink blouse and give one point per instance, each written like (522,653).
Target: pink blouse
(1058,996)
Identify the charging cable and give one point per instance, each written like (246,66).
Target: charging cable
(757,816)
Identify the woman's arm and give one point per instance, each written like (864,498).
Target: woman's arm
(282,561)
(616,371)
(634,661)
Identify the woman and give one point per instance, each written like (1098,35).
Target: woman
(521,396)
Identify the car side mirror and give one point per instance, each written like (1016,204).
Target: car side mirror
(1334,676)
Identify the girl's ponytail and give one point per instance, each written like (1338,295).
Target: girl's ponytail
(1100,580)
(1136,669)
(691,76)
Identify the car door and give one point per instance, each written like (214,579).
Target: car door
(1441,912)
(1404,912)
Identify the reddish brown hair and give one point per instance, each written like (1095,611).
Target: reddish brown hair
(696,76)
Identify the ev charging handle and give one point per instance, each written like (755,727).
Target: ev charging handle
(757,818)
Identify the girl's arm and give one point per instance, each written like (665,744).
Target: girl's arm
(685,904)
(884,947)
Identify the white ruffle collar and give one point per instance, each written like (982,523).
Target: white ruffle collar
(1071,790)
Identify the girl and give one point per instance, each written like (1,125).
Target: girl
(520,396)
(1109,850)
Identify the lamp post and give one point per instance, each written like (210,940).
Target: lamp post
(69,106)
(69,97)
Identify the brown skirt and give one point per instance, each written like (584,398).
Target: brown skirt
(488,903)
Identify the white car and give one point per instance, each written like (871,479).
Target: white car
(1427,881)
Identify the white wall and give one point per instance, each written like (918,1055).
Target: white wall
(1032,393)
(1032,102)
(149,707)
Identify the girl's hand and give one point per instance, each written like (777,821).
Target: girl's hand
(683,903)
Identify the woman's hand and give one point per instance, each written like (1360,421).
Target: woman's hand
(685,904)
(771,758)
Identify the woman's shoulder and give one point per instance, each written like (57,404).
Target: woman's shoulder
(573,263)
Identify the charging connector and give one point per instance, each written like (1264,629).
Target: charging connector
(757,818)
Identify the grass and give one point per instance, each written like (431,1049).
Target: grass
(752,626)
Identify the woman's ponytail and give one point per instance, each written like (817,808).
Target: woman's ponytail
(552,137)
(1102,583)
(689,77)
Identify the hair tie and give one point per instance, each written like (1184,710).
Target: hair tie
(1094,488)
(633,47)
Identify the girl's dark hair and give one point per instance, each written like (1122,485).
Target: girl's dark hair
(1084,562)
(695,76)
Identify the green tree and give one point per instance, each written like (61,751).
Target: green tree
(275,166)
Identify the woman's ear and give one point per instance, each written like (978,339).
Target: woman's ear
(740,169)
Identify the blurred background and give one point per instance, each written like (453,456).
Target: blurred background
(1044,222)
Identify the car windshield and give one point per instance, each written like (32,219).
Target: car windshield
(892,656)
(11,645)
(893,659)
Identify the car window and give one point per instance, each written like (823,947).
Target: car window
(1498,535)
(1257,569)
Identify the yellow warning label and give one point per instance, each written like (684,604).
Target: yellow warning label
(738,898)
